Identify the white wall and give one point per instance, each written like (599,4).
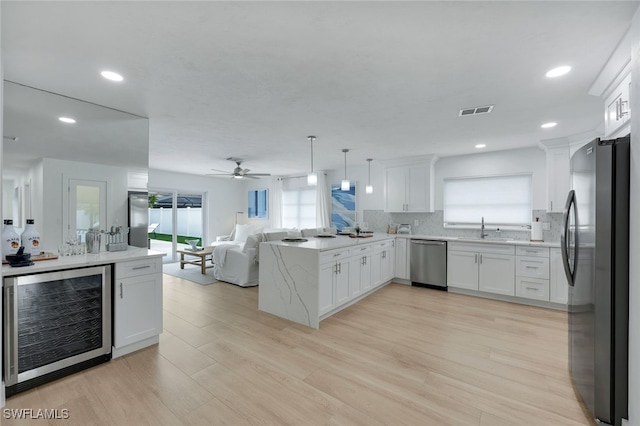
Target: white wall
(528,160)
(51,206)
(634,233)
(224,197)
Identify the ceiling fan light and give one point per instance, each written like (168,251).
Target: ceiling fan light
(312,179)
(368,189)
(238,176)
(345,185)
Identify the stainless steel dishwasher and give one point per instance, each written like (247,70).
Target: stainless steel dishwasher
(429,263)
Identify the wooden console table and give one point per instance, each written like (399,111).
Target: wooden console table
(202,255)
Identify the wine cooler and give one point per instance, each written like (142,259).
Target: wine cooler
(56,323)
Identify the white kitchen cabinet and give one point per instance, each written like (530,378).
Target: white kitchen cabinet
(532,288)
(558,178)
(462,269)
(618,108)
(402,258)
(381,263)
(137,302)
(360,270)
(388,261)
(532,272)
(409,185)
(558,284)
(489,268)
(333,287)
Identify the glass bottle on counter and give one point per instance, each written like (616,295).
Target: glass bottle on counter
(31,238)
(10,239)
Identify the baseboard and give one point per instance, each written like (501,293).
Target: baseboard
(118,352)
(513,299)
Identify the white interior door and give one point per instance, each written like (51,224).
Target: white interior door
(87,207)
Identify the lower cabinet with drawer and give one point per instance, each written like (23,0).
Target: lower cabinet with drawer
(137,305)
(532,273)
(535,274)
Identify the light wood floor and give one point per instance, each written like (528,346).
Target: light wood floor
(402,356)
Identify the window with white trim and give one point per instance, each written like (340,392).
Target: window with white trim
(501,200)
(298,204)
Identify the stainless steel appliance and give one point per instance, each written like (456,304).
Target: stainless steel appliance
(428,266)
(595,251)
(138,219)
(55,324)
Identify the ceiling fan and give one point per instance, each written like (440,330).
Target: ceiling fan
(238,172)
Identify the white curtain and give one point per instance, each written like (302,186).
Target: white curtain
(323,202)
(276,203)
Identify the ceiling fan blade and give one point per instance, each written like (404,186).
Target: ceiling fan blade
(244,172)
(259,174)
(250,176)
(218,170)
(217,174)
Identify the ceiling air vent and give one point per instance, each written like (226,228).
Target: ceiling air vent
(476,110)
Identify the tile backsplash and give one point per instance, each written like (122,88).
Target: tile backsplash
(432,224)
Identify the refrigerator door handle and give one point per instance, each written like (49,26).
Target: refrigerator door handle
(570,270)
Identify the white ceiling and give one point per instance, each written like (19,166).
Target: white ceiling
(384,79)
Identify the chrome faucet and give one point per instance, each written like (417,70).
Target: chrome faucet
(482,233)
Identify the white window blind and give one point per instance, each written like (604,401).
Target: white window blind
(298,204)
(501,200)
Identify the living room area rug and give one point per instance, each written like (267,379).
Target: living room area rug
(190,273)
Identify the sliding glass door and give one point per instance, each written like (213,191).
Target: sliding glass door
(175,216)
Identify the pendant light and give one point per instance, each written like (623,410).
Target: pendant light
(369,189)
(312,177)
(345,185)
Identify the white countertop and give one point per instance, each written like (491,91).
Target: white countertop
(340,241)
(69,262)
(487,240)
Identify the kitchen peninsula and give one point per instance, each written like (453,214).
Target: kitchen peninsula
(308,281)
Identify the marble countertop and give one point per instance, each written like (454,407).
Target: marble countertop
(342,241)
(69,262)
(487,240)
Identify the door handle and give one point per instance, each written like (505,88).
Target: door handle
(564,240)
(121,291)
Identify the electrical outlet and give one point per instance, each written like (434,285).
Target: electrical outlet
(546,226)
(416,222)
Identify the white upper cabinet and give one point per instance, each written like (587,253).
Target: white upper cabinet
(558,174)
(408,185)
(613,84)
(618,109)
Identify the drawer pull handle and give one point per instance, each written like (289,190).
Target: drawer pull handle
(141,267)
(337,254)
(532,267)
(531,288)
(121,295)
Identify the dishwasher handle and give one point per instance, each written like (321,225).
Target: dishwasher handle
(429,242)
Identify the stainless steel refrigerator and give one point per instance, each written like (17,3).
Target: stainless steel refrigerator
(138,219)
(595,251)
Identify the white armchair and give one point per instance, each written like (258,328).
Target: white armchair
(236,261)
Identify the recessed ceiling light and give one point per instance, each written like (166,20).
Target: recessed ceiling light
(67,120)
(557,72)
(113,76)
(548,125)
(481,145)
